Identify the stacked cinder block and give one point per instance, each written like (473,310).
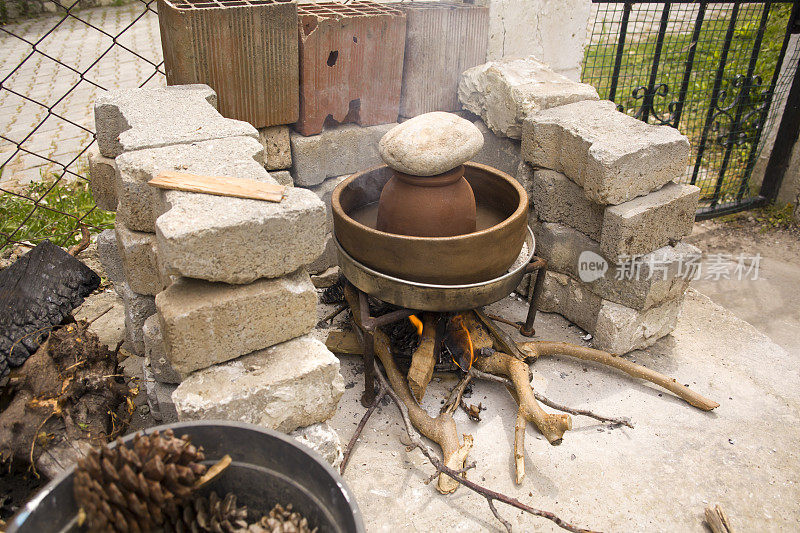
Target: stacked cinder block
(607,211)
(213,286)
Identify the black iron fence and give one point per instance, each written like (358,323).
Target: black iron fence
(717,71)
(51,69)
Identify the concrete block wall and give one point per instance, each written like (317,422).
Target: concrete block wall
(215,288)
(606,209)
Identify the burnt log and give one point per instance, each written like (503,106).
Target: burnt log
(36,293)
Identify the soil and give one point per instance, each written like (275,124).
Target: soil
(17,485)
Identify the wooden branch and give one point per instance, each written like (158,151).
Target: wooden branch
(543,348)
(360,428)
(454,399)
(717,520)
(456,474)
(503,341)
(424,358)
(583,412)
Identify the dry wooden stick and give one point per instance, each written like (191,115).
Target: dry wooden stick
(503,341)
(424,358)
(542,348)
(360,428)
(457,475)
(717,520)
(454,399)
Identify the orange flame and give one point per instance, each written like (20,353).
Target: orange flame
(417,323)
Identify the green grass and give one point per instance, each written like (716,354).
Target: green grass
(635,70)
(74,198)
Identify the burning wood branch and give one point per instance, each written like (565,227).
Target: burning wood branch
(424,358)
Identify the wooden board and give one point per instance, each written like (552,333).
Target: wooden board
(219,185)
(36,292)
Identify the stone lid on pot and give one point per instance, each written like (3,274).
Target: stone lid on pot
(430,144)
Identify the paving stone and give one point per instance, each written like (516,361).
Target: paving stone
(327,278)
(505,92)
(643,224)
(140,204)
(159,398)
(430,144)
(137,308)
(341,150)
(556,198)
(155,354)
(206,323)
(613,156)
(325,191)
(108,253)
(139,260)
(102,180)
(278,149)
(327,259)
(498,152)
(236,240)
(639,284)
(134,119)
(614,327)
(293,384)
(323,439)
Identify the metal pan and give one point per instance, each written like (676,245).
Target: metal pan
(429,297)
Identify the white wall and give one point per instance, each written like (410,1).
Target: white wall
(554,31)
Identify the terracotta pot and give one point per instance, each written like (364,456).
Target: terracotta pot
(427,206)
(470,258)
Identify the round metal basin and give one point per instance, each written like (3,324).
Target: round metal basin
(463,259)
(432,297)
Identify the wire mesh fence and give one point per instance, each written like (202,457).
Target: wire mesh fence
(51,70)
(711,69)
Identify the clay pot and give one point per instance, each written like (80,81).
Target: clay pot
(427,206)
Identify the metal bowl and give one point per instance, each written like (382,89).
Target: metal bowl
(430,297)
(471,258)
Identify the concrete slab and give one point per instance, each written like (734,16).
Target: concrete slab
(661,475)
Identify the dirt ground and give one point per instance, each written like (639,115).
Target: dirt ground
(771,302)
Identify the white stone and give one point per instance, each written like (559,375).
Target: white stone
(505,92)
(293,384)
(323,439)
(430,144)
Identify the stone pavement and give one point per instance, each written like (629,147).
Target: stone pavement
(84,48)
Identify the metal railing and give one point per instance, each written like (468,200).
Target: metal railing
(717,71)
(82,53)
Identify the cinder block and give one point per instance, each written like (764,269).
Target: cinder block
(159,397)
(325,191)
(643,224)
(276,145)
(443,39)
(138,307)
(498,152)
(615,328)
(248,54)
(140,204)
(235,240)
(640,284)
(292,384)
(342,150)
(351,64)
(154,353)
(135,119)
(327,259)
(140,260)
(613,156)
(108,253)
(205,323)
(102,180)
(507,91)
(556,198)
(284,177)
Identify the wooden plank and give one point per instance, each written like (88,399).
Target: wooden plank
(219,185)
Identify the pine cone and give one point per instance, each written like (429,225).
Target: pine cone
(282,520)
(130,489)
(208,514)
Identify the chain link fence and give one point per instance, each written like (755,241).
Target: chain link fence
(52,69)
